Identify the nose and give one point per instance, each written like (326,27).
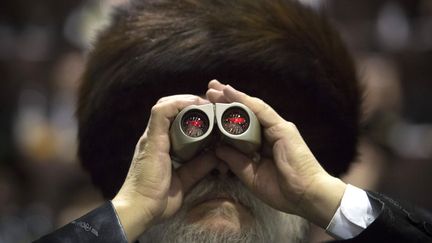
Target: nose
(222,170)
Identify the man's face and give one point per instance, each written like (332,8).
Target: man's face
(220,209)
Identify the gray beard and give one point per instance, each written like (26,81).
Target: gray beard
(269,224)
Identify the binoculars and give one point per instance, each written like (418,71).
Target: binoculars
(197,127)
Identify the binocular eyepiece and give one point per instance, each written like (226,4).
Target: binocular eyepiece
(196,126)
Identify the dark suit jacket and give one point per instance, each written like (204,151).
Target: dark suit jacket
(396,223)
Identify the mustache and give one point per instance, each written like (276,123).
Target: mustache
(220,188)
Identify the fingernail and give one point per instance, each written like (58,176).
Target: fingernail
(230,92)
(215,80)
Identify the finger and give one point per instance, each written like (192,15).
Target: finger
(215,84)
(266,148)
(288,132)
(193,171)
(162,113)
(265,114)
(175,196)
(239,164)
(165,99)
(294,154)
(216,96)
(176,97)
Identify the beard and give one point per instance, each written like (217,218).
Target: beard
(268,224)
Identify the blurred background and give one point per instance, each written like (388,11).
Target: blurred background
(42,54)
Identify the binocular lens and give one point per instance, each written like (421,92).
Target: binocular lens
(195,123)
(235,121)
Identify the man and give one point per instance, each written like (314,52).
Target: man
(158,56)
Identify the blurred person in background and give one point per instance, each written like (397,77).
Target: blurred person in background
(278,51)
(40,66)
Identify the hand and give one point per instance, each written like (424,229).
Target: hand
(152,190)
(290,179)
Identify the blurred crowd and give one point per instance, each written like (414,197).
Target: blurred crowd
(42,54)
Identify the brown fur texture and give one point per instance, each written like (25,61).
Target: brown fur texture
(277,50)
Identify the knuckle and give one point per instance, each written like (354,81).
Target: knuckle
(162,99)
(156,108)
(179,103)
(261,106)
(260,102)
(141,142)
(169,103)
(282,128)
(277,128)
(290,126)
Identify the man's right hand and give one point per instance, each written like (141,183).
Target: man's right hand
(153,190)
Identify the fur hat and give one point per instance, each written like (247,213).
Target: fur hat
(277,50)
